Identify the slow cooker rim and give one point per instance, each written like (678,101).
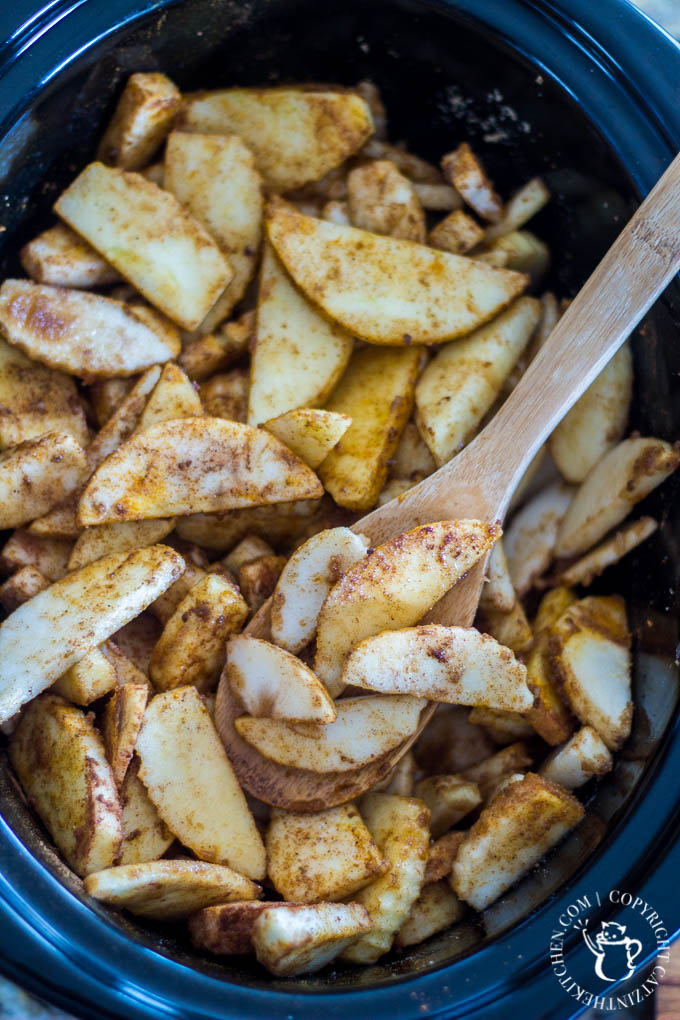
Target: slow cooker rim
(55,965)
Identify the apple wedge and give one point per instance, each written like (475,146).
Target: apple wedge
(90,678)
(514,758)
(376,392)
(449,799)
(309,432)
(55,326)
(299,355)
(597,421)
(549,715)
(48,555)
(145,836)
(215,178)
(383,289)
(608,552)
(464,170)
(325,855)
(107,395)
(20,587)
(306,580)
(58,757)
(383,201)
(76,614)
(442,854)
(296,136)
(529,539)
(227,929)
(624,476)
(583,756)
(364,730)
(590,654)
(436,908)
(400,828)
(461,383)
(141,120)
(394,586)
(271,682)
(190,780)
(498,592)
(93,543)
(191,466)
(457,665)
(519,209)
(151,240)
(169,890)
(37,474)
(512,834)
(35,400)
(121,723)
(59,257)
(191,648)
(173,397)
(290,938)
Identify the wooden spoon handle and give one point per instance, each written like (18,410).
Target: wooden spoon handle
(630,277)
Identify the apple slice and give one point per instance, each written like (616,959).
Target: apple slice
(308,432)
(365,729)
(173,396)
(190,780)
(271,682)
(299,356)
(306,580)
(168,890)
(529,539)
(296,135)
(37,474)
(74,615)
(93,543)
(141,120)
(383,289)
(457,665)
(144,232)
(121,723)
(624,476)
(394,586)
(194,465)
(291,938)
(55,326)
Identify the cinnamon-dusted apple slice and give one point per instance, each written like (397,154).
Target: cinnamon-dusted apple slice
(394,586)
(436,908)
(519,826)
(291,938)
(35,400)
(190,780)
(299,355)
(173,396)
(529,539)
(297,136)
(227,928)
(152,240)
(169,890)
(76,614)
(306,580)
(608,552)
(194,465)
(58,757)
(271,682)
(141,120)
(55,326)
(457,665)
(104,539)
(37,474)
(59,257)
(383,289)
(309,432)
(146,837)
(121,723)
(364,730)
(583,756)
(215,178)
(624,476)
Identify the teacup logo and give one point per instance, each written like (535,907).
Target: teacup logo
(615,953)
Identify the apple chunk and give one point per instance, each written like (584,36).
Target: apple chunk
(296,135)
(190,780)
(291,938)
(58,757)
(308,432)
(151,240)
(168,890)
(299,355)
(365,729)
(306,580)
(55,326)
(37,474)
(457,665)
(394,586)
(271,682)
(194,465)
(383,289)
(74,615)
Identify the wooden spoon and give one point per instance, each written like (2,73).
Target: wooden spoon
(479,481)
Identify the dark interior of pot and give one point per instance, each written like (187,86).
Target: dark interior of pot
(443,80)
